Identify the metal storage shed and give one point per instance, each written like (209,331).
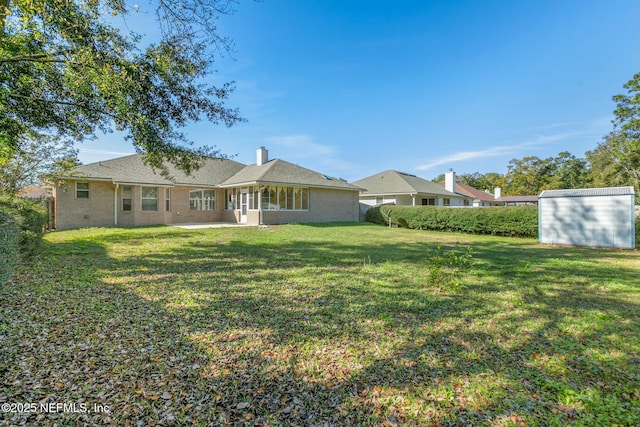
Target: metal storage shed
(601,217)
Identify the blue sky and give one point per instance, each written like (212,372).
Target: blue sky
(351,88)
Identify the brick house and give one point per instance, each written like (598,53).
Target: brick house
(126,192)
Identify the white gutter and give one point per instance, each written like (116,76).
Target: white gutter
(115,205)
(260,205)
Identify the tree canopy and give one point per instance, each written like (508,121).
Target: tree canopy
(616,160)
(34,160)
(67,70)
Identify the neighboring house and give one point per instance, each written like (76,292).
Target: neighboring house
(126,192)
(35,192)
(518,200)
(587,217)
(43,195)
(480,198)
(484,198)
(404,189)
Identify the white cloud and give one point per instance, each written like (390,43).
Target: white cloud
(319,157)
(538,141)
(94,151)
(302,146)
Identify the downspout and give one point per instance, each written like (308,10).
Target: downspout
(633,220)
(260,205)
(115,205)
(413,199)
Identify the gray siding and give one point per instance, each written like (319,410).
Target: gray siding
(603,221)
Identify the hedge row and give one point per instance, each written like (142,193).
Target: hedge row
(22,224)
(9,245)
(520,221)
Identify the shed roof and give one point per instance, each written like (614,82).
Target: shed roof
(588,192)
(394,182)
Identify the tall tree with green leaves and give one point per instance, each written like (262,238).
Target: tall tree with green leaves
(66,71)
(616,160)
(36,160)
(486,181)
(569,171)
(529,175)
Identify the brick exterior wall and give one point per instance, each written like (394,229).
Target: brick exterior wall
(181,211)
(325,205)
(98,209)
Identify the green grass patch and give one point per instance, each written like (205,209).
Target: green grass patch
(344,324)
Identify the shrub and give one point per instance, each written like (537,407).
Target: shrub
(520,221)
(31,218)
(9,245)
(447,267)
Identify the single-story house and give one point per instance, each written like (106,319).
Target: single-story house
(518,200)
(127,192)
(480,198)
(403,189)
(602,217)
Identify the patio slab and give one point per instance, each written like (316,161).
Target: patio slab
(197,225)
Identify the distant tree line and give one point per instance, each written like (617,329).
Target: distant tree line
(614,162)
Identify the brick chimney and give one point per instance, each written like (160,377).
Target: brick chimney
(450,181)
(262,156)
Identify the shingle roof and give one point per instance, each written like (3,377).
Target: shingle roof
(281,172)
(394,182)
(467,190)
(514,199)
(588,192)
(132,170)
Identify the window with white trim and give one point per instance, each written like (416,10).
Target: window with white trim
(82,190)
(202,200)
(167,199)
(127,198)
(276,198)
(149,198)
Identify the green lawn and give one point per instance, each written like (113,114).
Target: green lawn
(312,324)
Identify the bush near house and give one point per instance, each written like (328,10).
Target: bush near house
(31,219)
(520,221)
(9,245)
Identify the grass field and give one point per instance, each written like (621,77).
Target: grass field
(319,325)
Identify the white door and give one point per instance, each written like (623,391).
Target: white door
(244,195)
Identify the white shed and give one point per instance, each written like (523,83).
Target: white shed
(601,217)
